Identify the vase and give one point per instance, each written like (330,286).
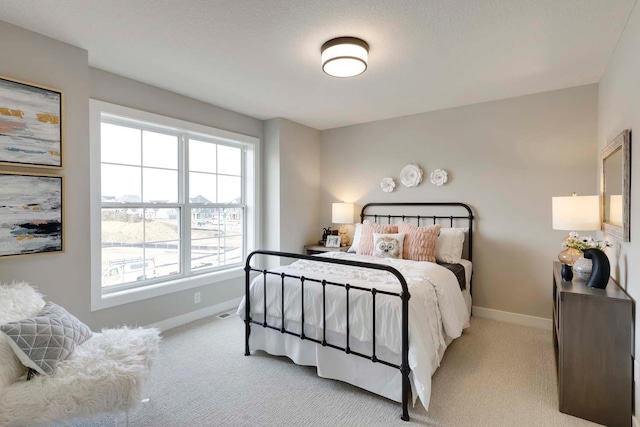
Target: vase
(582,268)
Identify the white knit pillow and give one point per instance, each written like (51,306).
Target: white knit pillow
(17,301)
(450,244)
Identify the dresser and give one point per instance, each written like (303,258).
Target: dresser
(592,333)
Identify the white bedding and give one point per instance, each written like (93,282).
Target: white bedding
(437,311)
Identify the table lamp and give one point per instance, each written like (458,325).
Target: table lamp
(342,213)
(574,213)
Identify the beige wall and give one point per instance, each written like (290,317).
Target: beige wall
(619,109)
(506,159)
(64,278)
(292,185)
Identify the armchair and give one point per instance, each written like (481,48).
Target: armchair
(104,374)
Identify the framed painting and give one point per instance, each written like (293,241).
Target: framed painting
(31,215)
(31,125)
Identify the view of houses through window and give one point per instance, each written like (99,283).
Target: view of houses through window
(172,204)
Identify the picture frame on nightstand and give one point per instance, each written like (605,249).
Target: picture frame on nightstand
(333,241)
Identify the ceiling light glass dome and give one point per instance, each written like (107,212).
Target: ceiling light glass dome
(345,57)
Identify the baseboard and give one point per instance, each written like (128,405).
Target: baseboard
(518,319)
(183,319)
(635,421)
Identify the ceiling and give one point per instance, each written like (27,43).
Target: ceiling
(262,57)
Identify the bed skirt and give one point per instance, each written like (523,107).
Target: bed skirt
(374,377)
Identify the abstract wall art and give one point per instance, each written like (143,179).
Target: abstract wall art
(30,213)
(30,125)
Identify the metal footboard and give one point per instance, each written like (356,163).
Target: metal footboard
(403,295)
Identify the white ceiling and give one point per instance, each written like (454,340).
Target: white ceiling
(262,57)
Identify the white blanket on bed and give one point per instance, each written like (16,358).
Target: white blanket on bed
(436,303)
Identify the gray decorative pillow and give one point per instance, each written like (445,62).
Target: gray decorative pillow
(41,342)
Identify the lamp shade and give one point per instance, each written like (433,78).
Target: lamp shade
(615,210)
(575,213)
(342,213)
(345,56)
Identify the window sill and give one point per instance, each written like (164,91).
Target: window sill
(101,301)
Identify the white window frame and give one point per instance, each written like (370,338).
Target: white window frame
(100,300)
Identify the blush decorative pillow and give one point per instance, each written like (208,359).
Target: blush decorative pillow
(388,245)
(366,236)
(420,243)
(450,245)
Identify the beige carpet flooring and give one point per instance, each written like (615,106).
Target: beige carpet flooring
(496,374)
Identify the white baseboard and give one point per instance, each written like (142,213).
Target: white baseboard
(635,421)
(183,319)
(518,319)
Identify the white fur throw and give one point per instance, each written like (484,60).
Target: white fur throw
(18,301)
(104,374)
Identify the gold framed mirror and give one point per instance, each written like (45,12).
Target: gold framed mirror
(615,187)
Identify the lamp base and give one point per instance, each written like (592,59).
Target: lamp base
(567,272)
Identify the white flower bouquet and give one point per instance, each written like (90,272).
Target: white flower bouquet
(575,241)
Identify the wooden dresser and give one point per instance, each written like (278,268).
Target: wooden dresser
(592,333)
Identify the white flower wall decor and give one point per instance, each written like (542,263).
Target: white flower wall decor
(439,177)
(387,184)
(411,175)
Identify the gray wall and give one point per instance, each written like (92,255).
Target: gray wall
(33,58)
(292,185)
(64,278)
(505,158)
(619,109)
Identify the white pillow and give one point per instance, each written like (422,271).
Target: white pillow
(450,244)
(356,238)
(388,245)
(17,301)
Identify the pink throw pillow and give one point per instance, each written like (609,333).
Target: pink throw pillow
(420,242)
(366,237)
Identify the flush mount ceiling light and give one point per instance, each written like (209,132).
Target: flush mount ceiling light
(345,57)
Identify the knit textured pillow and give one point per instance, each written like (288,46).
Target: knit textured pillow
(366,236)
(43,341)
(420,242)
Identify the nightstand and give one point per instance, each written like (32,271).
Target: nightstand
(318,249)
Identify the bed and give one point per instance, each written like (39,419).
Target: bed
(381,324)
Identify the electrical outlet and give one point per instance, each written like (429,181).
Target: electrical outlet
(635,371)
(196,298)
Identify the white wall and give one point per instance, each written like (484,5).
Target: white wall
(292,185)
(505,158)
(619,109)
(65,278)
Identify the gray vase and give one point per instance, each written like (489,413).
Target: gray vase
(582,268)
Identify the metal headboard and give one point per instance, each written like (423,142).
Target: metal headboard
(436,218)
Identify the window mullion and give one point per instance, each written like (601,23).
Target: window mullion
(185,253)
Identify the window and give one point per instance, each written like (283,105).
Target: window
(176,206)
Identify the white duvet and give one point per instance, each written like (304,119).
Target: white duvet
(436,306)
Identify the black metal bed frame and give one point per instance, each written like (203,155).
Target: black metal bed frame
(404,294)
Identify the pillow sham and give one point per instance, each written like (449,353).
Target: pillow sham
(450,245)
(43,341)
(365,247)
(420,243)
(388,245)
(356,238)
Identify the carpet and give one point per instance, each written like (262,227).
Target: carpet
(496,374)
